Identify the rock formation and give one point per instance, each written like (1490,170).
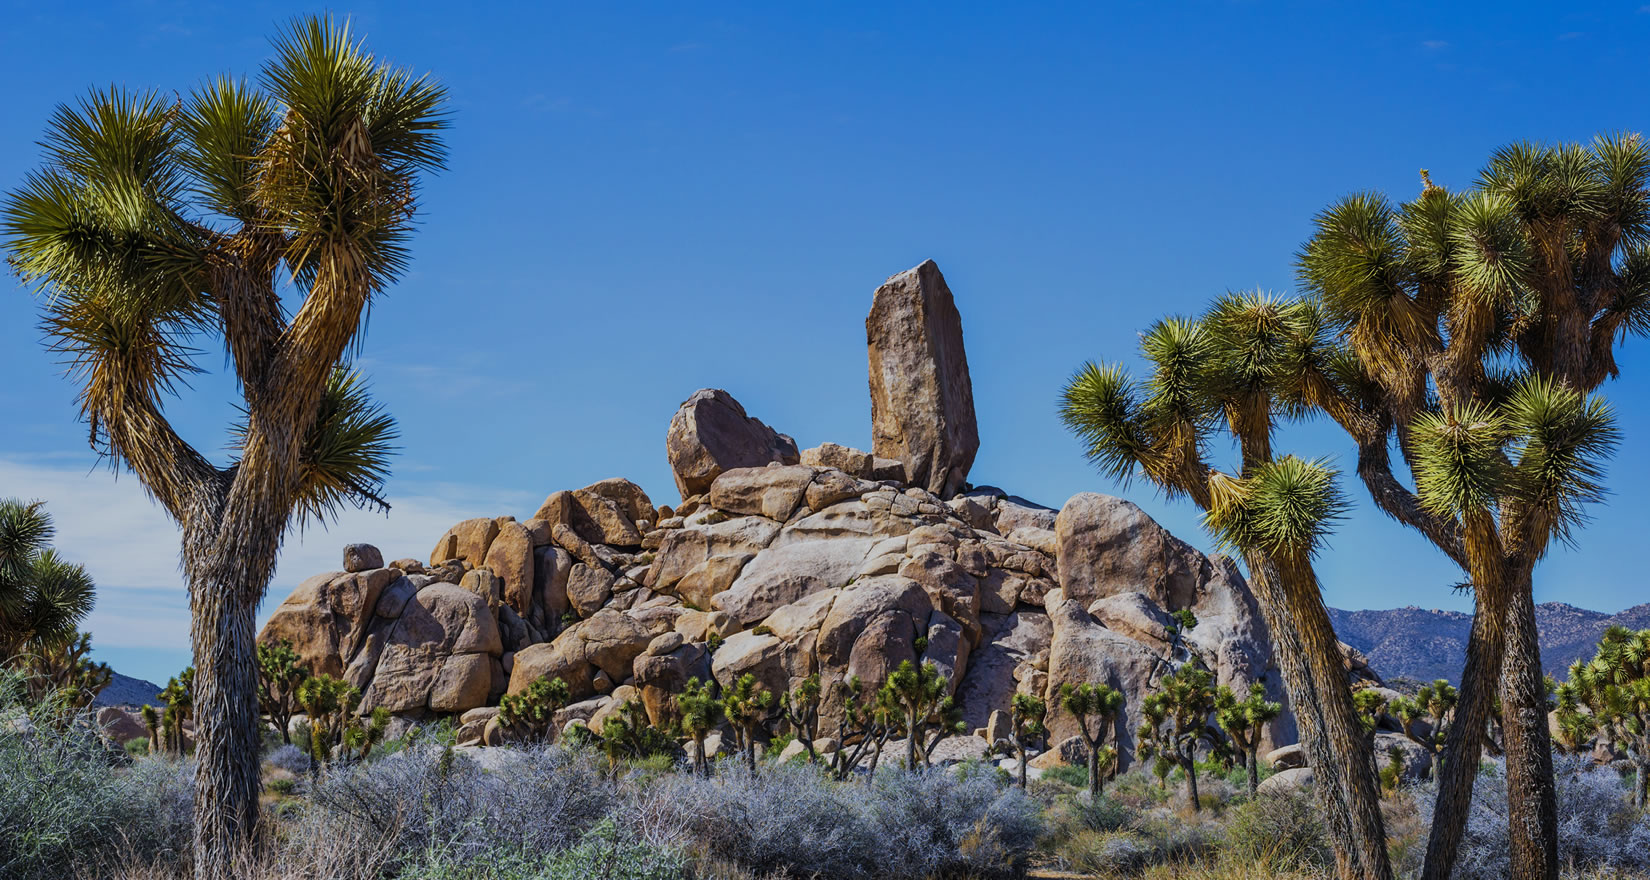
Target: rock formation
(783,565)
(922,402)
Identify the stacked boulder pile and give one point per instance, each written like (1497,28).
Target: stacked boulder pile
(784,563)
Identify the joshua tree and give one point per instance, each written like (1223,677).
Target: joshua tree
(533,711)
(1026,723)
(1249,360)
(800,709)
(153,219)
(279,676)
(921,695)
(42,598)
(329,703)
(1474,325)
(1244,721)
(179,697)
(1176,719)
(1097,705)
(864,726)
(1614,690)
(627,733)
(747,706)
(701,711)
(64,671)
(1432,704)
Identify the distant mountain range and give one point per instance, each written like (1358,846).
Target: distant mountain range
(124,690)
(1427,644)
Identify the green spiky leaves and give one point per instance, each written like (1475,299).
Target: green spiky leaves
(1544,446)
(1286,506)
(346,452)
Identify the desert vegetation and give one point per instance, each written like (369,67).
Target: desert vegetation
(417,806)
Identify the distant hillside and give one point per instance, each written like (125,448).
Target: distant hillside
(124,690)
(1428,644)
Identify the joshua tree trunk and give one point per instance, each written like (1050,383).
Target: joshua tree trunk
(1020,751)
(1531,795)
(1094,769)
(912,735)
(1641,784)
(1486,646)
(1189,765)
(226,726)
(1254,764)
(1314,676)
(699,755)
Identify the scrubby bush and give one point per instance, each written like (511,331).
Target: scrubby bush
(1107,853)
(434,802)
(786,817)
(792,820)
(940,823)
(606,852)
(291,758)
(1280,828)
(1598,827)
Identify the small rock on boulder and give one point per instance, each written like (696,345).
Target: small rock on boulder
(711,433)
(361,557)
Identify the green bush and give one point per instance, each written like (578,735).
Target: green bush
(1068,774)
(1282,829)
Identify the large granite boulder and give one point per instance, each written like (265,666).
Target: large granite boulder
(922,400)
(1109,546)
(711,433)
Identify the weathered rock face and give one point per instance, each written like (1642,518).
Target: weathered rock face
(839,564)
(922,401)
(711,433)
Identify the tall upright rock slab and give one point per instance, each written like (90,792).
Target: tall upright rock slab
(922,402)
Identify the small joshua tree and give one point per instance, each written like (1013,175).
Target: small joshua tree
(1026,720)
(864,727)
(179,697)
(1177,720)
(700,711)
(533,711)
(1243,720)
(800,709)
(747,706)
(921,694)
(151,722)
(1095,706)
(627,734)
(1614,689)
(63,670)
(335,731)
(279,675)
(1433,705)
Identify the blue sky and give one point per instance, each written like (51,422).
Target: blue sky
(644,200)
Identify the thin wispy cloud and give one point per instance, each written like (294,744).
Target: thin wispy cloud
(130,547)
(1435,45)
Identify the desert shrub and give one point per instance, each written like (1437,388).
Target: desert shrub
(290,758)
(1598,827)
(787,817)
(939,823)
(434,803)
(605,852)
(1073,815)
(1179,838)
(1069,774)
(1280,828)
(65,798)
(1106,853)
(791,820)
